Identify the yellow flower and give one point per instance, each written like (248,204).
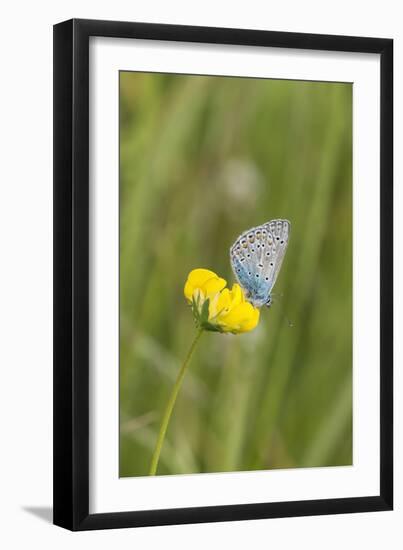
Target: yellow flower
(217,308)
(230,310)
(202,284)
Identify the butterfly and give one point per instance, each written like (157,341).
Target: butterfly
(256,258)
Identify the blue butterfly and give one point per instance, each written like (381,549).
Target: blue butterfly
(256,258)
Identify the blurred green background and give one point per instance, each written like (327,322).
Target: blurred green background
(201,160)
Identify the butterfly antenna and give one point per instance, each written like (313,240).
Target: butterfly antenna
(283,314)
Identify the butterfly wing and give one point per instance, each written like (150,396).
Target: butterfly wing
(257,256)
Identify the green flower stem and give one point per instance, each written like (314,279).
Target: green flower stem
(171,404)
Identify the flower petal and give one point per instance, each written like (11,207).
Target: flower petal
(251,322)
(205,280)
(197,277)
(213,285)
(188,291)
(219,305)
(237,294)
(241,318)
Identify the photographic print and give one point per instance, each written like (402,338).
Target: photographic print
(235,274)
(223,265)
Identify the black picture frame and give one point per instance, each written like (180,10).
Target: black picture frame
(71,274)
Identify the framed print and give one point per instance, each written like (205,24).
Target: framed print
(223,242)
